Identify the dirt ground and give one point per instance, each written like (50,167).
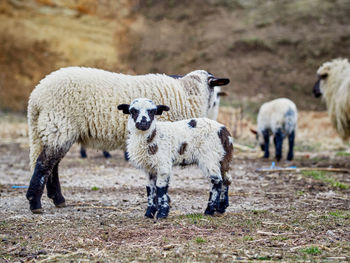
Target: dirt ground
(277,216)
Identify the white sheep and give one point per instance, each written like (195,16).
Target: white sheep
(334,85)
(156,147)
(215,103)
(80,105)
(278,118)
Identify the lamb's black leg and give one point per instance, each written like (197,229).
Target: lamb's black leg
(223,204)
(266,135)
(54,188)
(291,146)
(278,144)
(126,156)
(152,201)
(83,152)
(107,154)
(214,196)
(162,195)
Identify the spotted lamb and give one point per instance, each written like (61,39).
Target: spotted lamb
(158,146)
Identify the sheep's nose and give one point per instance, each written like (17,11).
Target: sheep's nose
(144,119)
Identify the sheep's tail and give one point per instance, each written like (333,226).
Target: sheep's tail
(227,144)
(35,142)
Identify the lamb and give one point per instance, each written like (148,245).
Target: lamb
(278,117)
(156,147)
(333,85)
(77,104)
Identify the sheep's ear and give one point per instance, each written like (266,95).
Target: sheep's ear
(161,108)
(222,93)
(253,131)
(124,108)
(212,82)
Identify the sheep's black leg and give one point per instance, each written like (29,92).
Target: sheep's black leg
(83,152)
(107,154)
(162,196)
(43,169)
(152,201)
(291,146)
(214,196)
(223,204)
(278,144)
(126,156)
(266,135)
(54,188)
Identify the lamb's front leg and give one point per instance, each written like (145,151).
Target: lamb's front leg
(162,195)
(214,196)
(151,196)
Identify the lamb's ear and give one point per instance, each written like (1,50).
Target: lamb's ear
(253,131)
(161,108)
(124,108)
(212,82)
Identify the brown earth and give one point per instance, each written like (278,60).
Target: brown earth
(277,216)
(268,49)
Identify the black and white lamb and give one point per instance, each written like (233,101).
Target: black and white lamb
(156,147)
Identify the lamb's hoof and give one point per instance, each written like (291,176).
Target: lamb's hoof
(61,205)
(37,211)
(150,212)
(209,211)
(163,213)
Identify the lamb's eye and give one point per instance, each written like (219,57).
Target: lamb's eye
(324,76)
(152,112)
(133,111)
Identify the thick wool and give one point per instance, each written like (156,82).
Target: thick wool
(335,89)
(80,105)
(156,147)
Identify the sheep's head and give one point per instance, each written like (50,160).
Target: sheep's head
(259,138)
(325,71)
(142,112)
(214,103)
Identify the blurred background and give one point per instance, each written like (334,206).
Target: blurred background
(268,49)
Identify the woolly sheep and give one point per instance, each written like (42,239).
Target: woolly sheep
(156,147)
(80,105)
(334,85)
(214,105)
(279,118)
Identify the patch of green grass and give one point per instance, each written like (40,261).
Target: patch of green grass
(248,238)
(95,188)
(3,223)
(195,218)
(342,154)
(280,238)
(259,212)
(300,193)
(264,258)
(200,240)
(340,214)
(311,251)
(321,176)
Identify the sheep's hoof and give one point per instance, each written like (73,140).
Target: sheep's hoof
(222,208)
(150,212)
(209,211)
(163,213)
(37,211)
(107,154)
(61,205)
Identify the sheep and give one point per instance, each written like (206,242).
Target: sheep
(78,104)
(214,106)
(156,147)
(279,118)
(333,84)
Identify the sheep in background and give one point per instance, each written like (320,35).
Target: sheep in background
(278,118)
(158,146)
(334,85)
(80,105)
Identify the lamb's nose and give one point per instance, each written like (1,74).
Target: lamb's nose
(144,119)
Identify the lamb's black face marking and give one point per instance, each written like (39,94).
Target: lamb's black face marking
(193,123)
(183,148)
(316,89)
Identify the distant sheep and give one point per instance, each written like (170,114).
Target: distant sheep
(334,85)
(156,147)
(278,118)
(80,105)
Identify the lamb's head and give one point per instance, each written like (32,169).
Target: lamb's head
(325,71)
(142,112)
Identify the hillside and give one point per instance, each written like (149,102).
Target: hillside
(268,49)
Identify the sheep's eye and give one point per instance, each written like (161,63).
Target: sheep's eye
(133,111)
(152,112)
(324,76)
